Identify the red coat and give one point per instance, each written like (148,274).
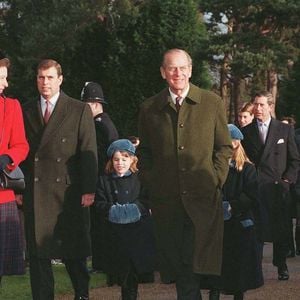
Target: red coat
(12,138)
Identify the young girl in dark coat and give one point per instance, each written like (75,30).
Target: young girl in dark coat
(129,239)
(241,268)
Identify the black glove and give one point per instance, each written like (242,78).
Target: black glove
(4,161)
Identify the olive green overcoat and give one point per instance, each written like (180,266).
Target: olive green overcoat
(184,163)
(60,168)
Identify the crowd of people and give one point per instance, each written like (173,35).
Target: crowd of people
(192,197)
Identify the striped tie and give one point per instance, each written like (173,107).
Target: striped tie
(177,104)
(47,113)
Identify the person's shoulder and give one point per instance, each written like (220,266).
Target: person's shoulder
(76,106)
(204,92)
(249,166)
(104,178)
(246,129)
(282,126)
(71,100)
(204,96)
(12,101)
(29,104)
(155,98)
(12,105)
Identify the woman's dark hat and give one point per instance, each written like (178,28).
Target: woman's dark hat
(92,92)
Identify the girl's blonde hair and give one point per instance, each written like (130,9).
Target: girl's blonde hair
(240,157)
(109,168)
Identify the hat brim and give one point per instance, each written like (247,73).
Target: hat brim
(95,100)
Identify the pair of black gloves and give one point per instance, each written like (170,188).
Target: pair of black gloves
(4,161)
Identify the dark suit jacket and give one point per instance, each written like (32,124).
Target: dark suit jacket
(278,159)
(61,166)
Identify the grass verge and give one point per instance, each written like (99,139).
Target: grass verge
(18,287)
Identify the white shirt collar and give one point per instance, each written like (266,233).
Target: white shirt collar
(52,102)
(183,95)
(266,123)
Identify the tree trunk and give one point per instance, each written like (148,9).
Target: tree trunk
(236,97)
(273,88)
(224,91)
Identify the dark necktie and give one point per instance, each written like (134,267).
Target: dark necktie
(47,113)
(177,104)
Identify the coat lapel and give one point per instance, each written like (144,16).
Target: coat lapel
(34,117)
(56,120)
(270,140)
(254,136)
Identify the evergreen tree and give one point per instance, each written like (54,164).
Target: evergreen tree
(257,40)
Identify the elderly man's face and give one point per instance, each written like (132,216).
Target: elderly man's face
(177,71)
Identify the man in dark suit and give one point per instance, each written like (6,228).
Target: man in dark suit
(61,174)
(270,145)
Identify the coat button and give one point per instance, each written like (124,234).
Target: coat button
(181,147)
(184,192)
(58,179)
(63,140)
(36,159)
(183,169)
(181,125)
(58,159)
(36,179)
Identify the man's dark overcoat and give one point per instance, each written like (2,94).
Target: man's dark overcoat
(61,166)
(184,162)
(276,160)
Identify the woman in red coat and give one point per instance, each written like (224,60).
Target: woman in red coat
(13,150)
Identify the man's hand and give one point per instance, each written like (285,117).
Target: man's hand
(87,200)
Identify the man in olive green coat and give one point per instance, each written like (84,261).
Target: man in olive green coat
(184,154)
(61,175)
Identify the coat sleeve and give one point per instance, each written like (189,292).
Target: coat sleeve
(293,160)
(248,198)
(18,147)
(144,152)
(103,200)
(222,145)
(108,129)
(87,152)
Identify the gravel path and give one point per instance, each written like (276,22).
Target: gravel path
(272,290)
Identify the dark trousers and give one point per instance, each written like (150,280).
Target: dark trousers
(129,284)
(42,280)
(297,234)
(187,282)
(280,249)
(188,285)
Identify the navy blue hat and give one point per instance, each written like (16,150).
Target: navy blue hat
(120,145)
(92,92)
(235,133)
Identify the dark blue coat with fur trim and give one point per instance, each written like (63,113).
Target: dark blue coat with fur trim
(125,243)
